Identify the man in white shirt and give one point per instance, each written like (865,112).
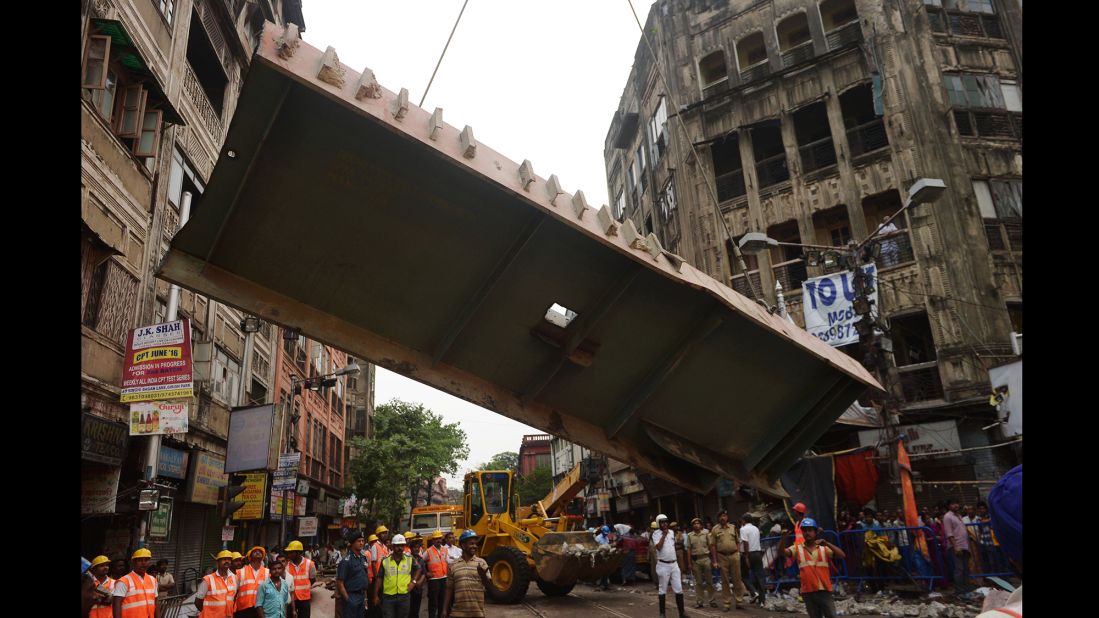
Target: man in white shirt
(667,567)
(453,550)
(749,541)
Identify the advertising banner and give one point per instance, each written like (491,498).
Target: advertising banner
(173,463)
(160,520)
(255,485)
(1007,397)
(206,478)
(826,303)
(922,439)
(98,489)
(307,526)
(286,476)
(295,507)
(102,441)
(152,417)
(249,438)
(158,363)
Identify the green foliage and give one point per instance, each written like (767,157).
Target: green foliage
(411,445)
(508,460)
(535,486)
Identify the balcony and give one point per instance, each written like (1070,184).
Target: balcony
(790,274)
(896,249)
(730,185)
(797,55)
(1004,235)
(740,283)
(772,170)
(211,120)
(817,155)
(755,72)
(995,125)
(867,137)
(715,88)
(920,382)
(844,35)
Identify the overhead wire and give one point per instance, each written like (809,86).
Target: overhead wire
(445,47)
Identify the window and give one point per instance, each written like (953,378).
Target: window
(975,18)
(657,125)
(477,508)
(620,203)
(1015,313)
(120,98)
(835,14)
(912,340)
(728,169)
(182,177)
(712,72)
(814,136)
(667,201)
(108,291)
(770,154)
(206,65)
(794,41)
(865,129)
(167,8)
(641,176)
(496,491)
(787,264)
(751,54)
(985,107)
(226,376)
(95,62)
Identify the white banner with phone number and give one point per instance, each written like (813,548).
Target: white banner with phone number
(827,306)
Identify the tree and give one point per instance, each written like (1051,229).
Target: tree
(411,446)
(535,485)
(455,496)
(507,460)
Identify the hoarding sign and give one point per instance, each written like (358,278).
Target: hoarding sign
(102,441)
(158,417)
(160,520)
(158,363)
(298,508)
(1007,384)
(286,476)
(925,438)
(98,489)
(307,526)
(207,476)
(255,485)
(250,432)
(227,532)
(827,305)
(173,463)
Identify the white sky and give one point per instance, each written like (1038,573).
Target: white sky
(536,79)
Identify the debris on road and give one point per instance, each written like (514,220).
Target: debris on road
(877,606)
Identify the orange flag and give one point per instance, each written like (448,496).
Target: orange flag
(911,517)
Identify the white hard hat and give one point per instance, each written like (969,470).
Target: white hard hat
(661,516)
(399,540)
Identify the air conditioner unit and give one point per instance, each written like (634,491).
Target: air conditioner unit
(1017,343)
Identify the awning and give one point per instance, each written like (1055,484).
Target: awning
(123,48)
(408,244)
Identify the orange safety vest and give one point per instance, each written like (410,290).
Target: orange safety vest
(218,602)
(140,599)
(375,565)
(250,579)
(799,538)
(436,562)
(104,611)
(813,566)
(302,588)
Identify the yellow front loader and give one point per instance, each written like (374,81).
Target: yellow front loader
(539,543)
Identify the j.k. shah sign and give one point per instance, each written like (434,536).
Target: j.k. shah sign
(158,363)
(827,305)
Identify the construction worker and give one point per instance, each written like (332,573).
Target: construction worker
(700,559)
(467,580)
(351,578)
(275,593)
(799,515)
(397,576)
(667,568)
(435,559)
(380,549)
(303,572)
(238,562)
(251,576)
(104,587)
(814,558)
(216,594)
(135,593)
(416,595)
(726,544)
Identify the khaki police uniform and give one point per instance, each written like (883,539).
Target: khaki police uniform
(698,544)
(726,543)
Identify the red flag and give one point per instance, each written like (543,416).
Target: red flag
(911,517)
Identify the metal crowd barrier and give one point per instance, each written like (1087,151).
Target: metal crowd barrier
(168,607)
(988,558)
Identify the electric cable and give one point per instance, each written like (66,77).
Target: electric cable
(440,62)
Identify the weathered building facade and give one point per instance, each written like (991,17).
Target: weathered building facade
(809,121)
(159,85)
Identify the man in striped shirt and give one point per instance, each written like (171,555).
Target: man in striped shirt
(467,579)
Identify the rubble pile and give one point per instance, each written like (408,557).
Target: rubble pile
(875,606)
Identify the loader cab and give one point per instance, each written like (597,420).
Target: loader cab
(487,492)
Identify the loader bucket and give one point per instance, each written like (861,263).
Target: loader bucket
(562,558)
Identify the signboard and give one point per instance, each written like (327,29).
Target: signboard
(98,489)
(638,500)
(1007,382)
(158,363)
(921,439)
(250,432)
(307,526)
(153,417)
(227,532)
(298,508)
(206,477)
(826,304)
(622,504)
(286,476)
(303,487)
(160,520)
(102,441)
(173,463)
(255,485)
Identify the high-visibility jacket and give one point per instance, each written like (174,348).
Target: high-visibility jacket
(300,574)
(813,566)
(220,596)
(140,599)
(104,610)
(377,553)
(436,562)
(248,586)
(799,538)
(397,576)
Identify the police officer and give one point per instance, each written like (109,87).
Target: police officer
(700,560)
(726,545)
(351,578)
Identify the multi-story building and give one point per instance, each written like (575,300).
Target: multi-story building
(534,452)
(159,85)
(809,121)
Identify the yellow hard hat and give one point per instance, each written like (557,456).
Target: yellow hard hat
(438,534)
(410,535)
(380,529)
(372,538)
(142,553)
(264,551)
(98,560)
(225,553)
(236,555)
(653,526)
(294,546)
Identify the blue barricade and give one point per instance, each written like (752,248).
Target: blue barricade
(987,558)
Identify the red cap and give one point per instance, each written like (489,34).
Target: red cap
(800,508)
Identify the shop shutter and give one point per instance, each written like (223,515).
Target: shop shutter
(165,549)
(191,527)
